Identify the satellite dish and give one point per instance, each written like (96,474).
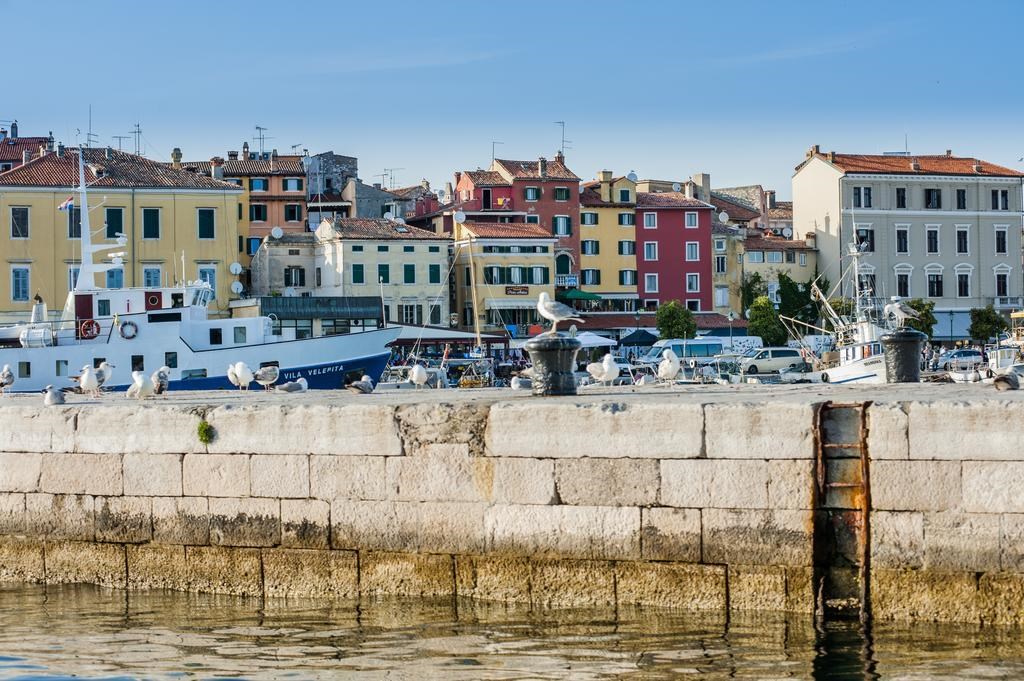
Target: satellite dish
(235,268)
(787,232)
(723,217)
(236,287)
(389,216)
(747,313)
(400,221)
(631,177)
(277,232)
(460,217)
(676,186)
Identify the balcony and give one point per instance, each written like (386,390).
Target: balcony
(1008,302)
(567,280)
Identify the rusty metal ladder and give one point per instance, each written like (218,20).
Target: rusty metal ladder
(842,527)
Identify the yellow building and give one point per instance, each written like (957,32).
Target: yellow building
(727,268)
(768,256)
(608,243)
(165,214)
(508,265)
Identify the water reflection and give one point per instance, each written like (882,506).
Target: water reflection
(101,633)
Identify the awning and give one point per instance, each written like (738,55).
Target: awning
(509,304)
(576,294)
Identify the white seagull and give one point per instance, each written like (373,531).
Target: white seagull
(418,375)
(646,379)
(104,372)
(161,380)
(297,386)
(240,375)
(521,383)
(364,386)
(604,371)
(52,396)
(6,379)
(87,381)
(267,376)
(555,312)
(669,366)
(141,387)
(899,311)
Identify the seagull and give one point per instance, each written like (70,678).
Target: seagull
(418,375)
(6,379)
(364,386)
(141,387)
(52,396)
(669,367)
(521,383)
(1007,381)
(232,376)
(297,386)
(604,371)
(267,376)
(88,382)
(104,372)
(161,380)
(240,374)
(899,311)
(646,379)
(555,312)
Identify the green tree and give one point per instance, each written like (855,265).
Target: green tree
(985,323)
(795,300)
(675,321)
(925,321)
(752,287)
(764,321)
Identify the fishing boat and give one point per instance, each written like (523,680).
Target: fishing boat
(142,329)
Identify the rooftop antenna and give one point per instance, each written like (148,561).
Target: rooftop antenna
(565,142)
(383,176)
(119,138)
(261,137)
(906,144)
(89,136)
(296,147)
(137,134)
(391,176)
(494,144)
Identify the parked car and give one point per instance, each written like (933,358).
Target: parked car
(767,360)
(959,359)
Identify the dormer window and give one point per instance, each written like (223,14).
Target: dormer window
(624,195)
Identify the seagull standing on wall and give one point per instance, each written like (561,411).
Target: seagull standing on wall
(418,375)
(161,380)
(267,376)
(240,375)
(6,379)
(104,372)
(900,312)
(555,312)
(52,397)
(141,387)
(604,371)
(669,367)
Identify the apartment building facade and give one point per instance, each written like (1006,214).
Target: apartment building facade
(607,226)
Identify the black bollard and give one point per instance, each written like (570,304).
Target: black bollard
(903,355)
(554,359)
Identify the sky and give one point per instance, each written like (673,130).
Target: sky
(665,89)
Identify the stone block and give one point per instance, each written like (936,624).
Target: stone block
(800,592)
(31,429)
(280,476)
(897,539)
(21,560)
(245,522)
(182,520)
(12,513)
(60,516)
(347,477)
(607,482)
(1001,599)
(956,541)
(1011,542)
(758,537)
(215,475)
(915,485)
(980,429)
(426,424)
(222,570)
(670,534)
(605,532)
(596,429)
(572,583)
(349,429)
(124,519)
(20,471)
(707,483)
(405,574)
(152,475)
(993,486)
(309,573)
(523,481)
(74,562)
(924,595)
(671,585)
(757,587)
(129,429)
(763,430)
(96,474)
(888,426)
(493,578)
(440,473)
(305,523)
(791,484)
(157,566)
(427,527)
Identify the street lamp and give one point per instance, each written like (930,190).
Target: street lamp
(731,316)
(951,341)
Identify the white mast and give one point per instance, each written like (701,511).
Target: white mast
(89,269)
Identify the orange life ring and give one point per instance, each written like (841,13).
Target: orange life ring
(89,329)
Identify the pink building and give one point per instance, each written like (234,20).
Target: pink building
(673,250)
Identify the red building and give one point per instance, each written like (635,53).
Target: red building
(15,151)
(673,250)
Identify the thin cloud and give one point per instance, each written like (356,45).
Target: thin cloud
(807,51)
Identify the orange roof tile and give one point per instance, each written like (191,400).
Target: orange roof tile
(485,177)
(926,165)
(381,229)
(508,230)
(529,170)
(282,165)
(756,243)
(668,200)
(737,211)
(11,148)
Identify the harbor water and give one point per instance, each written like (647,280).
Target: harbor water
(91,632)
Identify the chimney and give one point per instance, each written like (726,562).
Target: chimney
(831,157)
(376,185)
(176,158)
(232,155)
(811,240)
(26,156)
(60,149)
(977,166)
(688,190)
(108,153)
(770,196)
(425,183)
(448,191)
(217,168)
(813,151)
(245,150)
(49,142)
(949,152)
(14,130)
(542,167)
(43,150)
(704,182)
(914,165)
(560,157)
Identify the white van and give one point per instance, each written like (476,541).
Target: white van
(769,360)
(701,349)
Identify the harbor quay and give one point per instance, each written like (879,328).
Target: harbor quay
(902,502)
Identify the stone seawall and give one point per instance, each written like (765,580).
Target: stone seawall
(704,499)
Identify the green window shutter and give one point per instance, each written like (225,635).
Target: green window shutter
(300,183)
(239,211)
(547,275)
(568,225)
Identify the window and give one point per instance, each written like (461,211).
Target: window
(409,273)
(591,277)
(1002,284)
(803,260)
(755,257)
(531,193)
(693,283)
(533,219)
(1001,241)
(239,335)
(691,220)
(294,276)
(24,369)
(383,249)
(650,220)
(216,336)
(627,248)
(150,223)
(252,244)
(963,285)
(692,251)
(61,367)
(773,293)
(933,240)
(588,218)
(205,221)
(258,184)
(562,225)
(383,273)
(317,277)
(357,274)
(866,239)
(257,212)
(627,219)
(720,264)
(961,199)
(627,277)
(719,245)
(651,283)
(73,271)
(901,197)
(862,197)
(293,212)
(103,307)
(19,283)
(408,249)
(114,222)
(903,284)
(494,274)
(650,250)
(75,223)
(411,314)
(293,184)
(208,273)
(1000,199)
(933,199)
(357,248)
(539,275)
(151,277)
(561,193)
(693,305)
(721,296)
(934,285)
(19,222)
(590,247)
(773,257)
(192,373)
(962,245)
(902,240)
(115,278)
(790,257)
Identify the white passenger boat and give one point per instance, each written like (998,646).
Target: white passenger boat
(146,328)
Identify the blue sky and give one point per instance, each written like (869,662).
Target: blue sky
(737,89)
